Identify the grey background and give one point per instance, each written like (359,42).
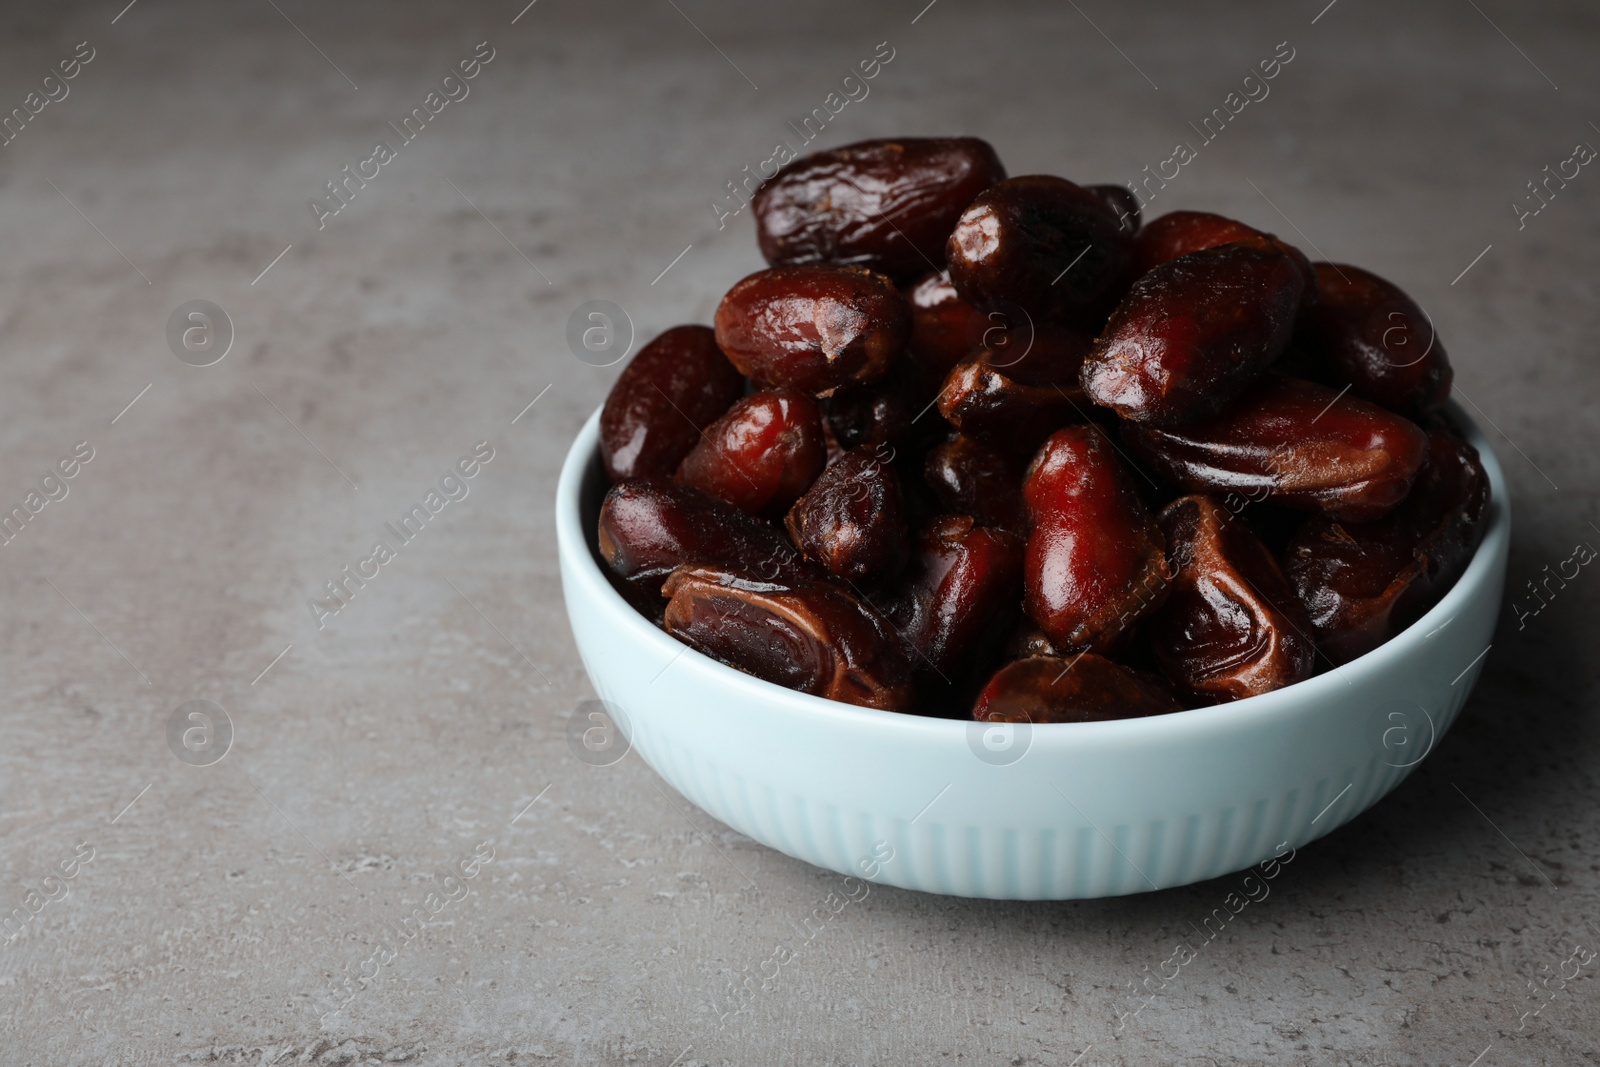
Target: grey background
(218,909)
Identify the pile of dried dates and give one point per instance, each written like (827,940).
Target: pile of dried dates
(978,445)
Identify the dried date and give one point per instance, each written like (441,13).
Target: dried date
(852,520)
(951,603)
(1015,400)
(1361,583)
(887,204)
(1049,246)
(761,455)
(970,478)
(1179,233)
(813,328)
(805,634)
(1231,627)
(648,527)
(1296,443)
(675,387)
(1081,688)
(945,329)
(1364,332)
(1192,333)
(1095,560)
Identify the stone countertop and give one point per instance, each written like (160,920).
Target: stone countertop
(211,908)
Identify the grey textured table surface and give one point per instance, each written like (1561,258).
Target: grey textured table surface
(218,913)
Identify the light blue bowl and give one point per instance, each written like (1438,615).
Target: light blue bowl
(1050,812)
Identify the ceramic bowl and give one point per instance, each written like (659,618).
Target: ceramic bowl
(1047,812)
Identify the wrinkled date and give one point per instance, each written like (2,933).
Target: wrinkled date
(1231,627)
(951,604)
(1373,337)
(805,634)
(853,519)
(813,328)
(1014,400)
(648,527)
(761,455)
(1296,443)
(883,413)
(1178,233)
(674,388)
(1192,333)
(1361,583)
(1043,243)
(888,205)
(1095,559)
(970,478)
(1081,688)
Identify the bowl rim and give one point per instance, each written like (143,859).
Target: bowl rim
(573,547)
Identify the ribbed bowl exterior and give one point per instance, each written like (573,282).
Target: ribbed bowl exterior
(1051,812)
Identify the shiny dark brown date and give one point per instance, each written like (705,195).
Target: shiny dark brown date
(674,388)
(813,328)
(1095,561)
(951,604)
(1361,583)
(1194,332)
(1015,403)
(1231,626)
(852,520)
(887,205)
(1081,688)
(1368,334)
(806,634)
(883,413)
(945,329)
(1178,233)
(971,478)
(1049,246)
(761,455)
(648,527)
(1296,443)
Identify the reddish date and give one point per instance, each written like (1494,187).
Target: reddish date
(648,527)
(853,518)
(761,455)
(1042,243)
(674,388)
(1095,560)
(887,205)
(883,413)
(1015,399)
(970,478)
(813,328)
(806,634)
(1361,583)
(1194,332)
(951,604)
(1296,443)
(1231,627)
(945,329)
(1081,688)
(1369,335)
(1178,233)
